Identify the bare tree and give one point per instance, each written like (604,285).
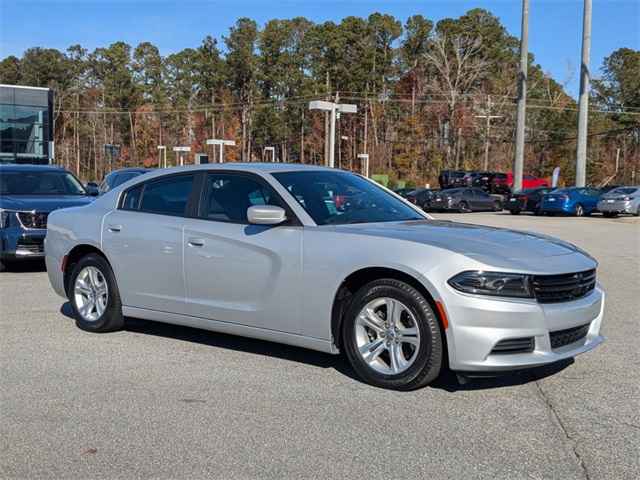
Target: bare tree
(457,69)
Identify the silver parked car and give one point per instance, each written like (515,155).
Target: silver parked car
(327,260)
(620,200)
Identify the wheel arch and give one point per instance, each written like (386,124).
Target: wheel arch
(357,279)
(75,254)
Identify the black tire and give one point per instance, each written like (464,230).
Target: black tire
(579,210)
(112,318)
(463,207)
(428,362)
(637,214)
(497,206)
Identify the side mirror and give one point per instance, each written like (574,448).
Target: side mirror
(92,189)
(266,215)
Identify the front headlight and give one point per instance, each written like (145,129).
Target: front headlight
(493,283)
(5,217)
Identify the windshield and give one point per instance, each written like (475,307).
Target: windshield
(40,183)
(624,191)
(339,198)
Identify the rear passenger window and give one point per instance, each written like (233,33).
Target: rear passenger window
(168,196)
(132,198)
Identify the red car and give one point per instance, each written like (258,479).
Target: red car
(503,182)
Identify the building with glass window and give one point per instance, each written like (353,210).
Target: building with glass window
(26,124)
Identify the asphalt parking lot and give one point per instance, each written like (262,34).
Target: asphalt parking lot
(170,402)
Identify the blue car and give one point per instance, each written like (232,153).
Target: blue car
(28,193)
(576,201)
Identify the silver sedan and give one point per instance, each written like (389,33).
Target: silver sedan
(620,200)
(327,260)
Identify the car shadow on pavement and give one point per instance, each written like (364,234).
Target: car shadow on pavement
(25,266)
(451,382)
(233,342)
(447,380)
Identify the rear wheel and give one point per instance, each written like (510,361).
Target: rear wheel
(579,210)
(94,295)
(392,337)
(497,206)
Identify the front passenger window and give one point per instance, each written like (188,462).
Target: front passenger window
(228,197)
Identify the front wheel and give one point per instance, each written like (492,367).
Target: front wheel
(392,337)
(463,207)
(94,295)
(579,210)
(497,206)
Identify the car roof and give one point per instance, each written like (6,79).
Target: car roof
(20,167)
(247,167)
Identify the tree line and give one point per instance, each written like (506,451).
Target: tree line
(429,96)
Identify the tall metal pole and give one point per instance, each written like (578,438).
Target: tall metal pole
(581,154)
(332,138)
(518,165)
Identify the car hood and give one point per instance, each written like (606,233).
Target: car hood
(493,246)
(43,203)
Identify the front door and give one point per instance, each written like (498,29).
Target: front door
(241,273)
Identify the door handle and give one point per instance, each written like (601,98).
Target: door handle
(196,242)
(115,228)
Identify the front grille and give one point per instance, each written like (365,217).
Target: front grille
(33,219)
(30,247)
(561,338)
(563,288)
(514,345)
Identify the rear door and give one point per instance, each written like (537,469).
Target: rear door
(237,272)
(143,239)
(483,200)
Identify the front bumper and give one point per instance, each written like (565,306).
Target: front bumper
(477,324)
(619,206)
(18,243)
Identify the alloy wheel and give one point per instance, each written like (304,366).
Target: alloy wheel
(579,210)
(91,293)
(387,336)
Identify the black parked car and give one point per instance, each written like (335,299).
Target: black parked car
(421,197)
(465,200)
(118,177)
(451,178)
(403,192)
(527,200)
(28,193)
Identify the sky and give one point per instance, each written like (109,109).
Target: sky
(555,26)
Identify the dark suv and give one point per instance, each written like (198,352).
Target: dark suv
(118,177)
(28,193)
(451,178)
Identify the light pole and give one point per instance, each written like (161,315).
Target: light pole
(518,165)
(583,113)
(336,109)
(162,156)
(364,163)
(273,153)
(181,151)
(221,143)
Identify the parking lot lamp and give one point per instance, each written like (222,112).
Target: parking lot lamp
(336,109)
(180,151)
(221,143)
